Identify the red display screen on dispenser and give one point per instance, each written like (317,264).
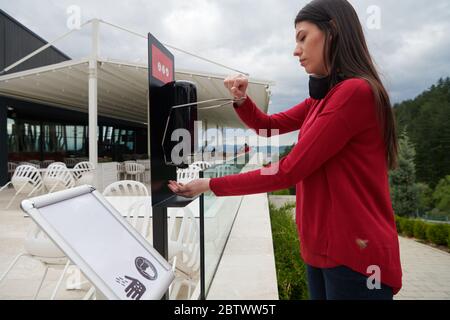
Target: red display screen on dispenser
(162,65)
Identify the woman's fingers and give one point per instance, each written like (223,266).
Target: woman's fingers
(192,189)
(228,82)
(175,183)
(237,85)
(180,189)
(174,186)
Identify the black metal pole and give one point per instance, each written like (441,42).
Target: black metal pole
(4,143)
(160,239)
(202,245)
(160,230)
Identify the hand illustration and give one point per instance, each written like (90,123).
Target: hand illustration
(135,289)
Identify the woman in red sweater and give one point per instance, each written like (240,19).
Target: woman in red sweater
(347,143)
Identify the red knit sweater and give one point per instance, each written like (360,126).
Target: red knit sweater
(344,212)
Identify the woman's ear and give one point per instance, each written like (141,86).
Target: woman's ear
(333,24)
(333,28)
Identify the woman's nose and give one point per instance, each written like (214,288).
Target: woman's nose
(297,51)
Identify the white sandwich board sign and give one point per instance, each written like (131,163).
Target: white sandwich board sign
(108,250)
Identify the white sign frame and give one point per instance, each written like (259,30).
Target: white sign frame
(67,237)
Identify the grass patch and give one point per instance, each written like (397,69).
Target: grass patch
(284,192)
(291,270)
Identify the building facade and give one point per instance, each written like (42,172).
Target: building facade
(35,131)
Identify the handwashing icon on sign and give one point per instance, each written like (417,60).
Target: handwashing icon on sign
(135,288)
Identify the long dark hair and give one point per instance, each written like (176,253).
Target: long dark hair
(347,56)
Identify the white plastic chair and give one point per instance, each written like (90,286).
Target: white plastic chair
(27,180)
(224,170)
(11,168)
(184,248)
(70,162)
(201,164)
(146,174)
(39,247)
(37,244)
(120,170)
(145,163)
(57,163)
(126,188)
(36,162)
(194,166)
(134,169)
(58,177)
(24,163)
(185,242)
(188,174)
(83,172)
(133,188)
(141,209)
(181,280)
(46,163)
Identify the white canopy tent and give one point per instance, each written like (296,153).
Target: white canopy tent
(116,89)
(122,89)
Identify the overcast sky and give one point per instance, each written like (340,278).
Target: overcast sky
(408,39)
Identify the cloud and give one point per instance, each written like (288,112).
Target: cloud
(411,47)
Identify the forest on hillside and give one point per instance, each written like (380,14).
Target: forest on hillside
(426,120)
(420,187)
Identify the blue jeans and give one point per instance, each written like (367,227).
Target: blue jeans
(342,283)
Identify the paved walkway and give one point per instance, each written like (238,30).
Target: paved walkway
(247,269)
(426,271)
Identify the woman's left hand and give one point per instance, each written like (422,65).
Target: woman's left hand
(190,190)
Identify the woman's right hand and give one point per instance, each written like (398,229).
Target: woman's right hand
(237,85)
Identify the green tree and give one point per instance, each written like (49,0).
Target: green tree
(426,120)
(425,197)
(441,195)
(402,180)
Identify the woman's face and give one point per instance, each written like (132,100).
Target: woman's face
(309,48)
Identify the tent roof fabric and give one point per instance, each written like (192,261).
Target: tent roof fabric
(122,90)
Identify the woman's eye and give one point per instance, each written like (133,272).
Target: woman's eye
(302,39)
